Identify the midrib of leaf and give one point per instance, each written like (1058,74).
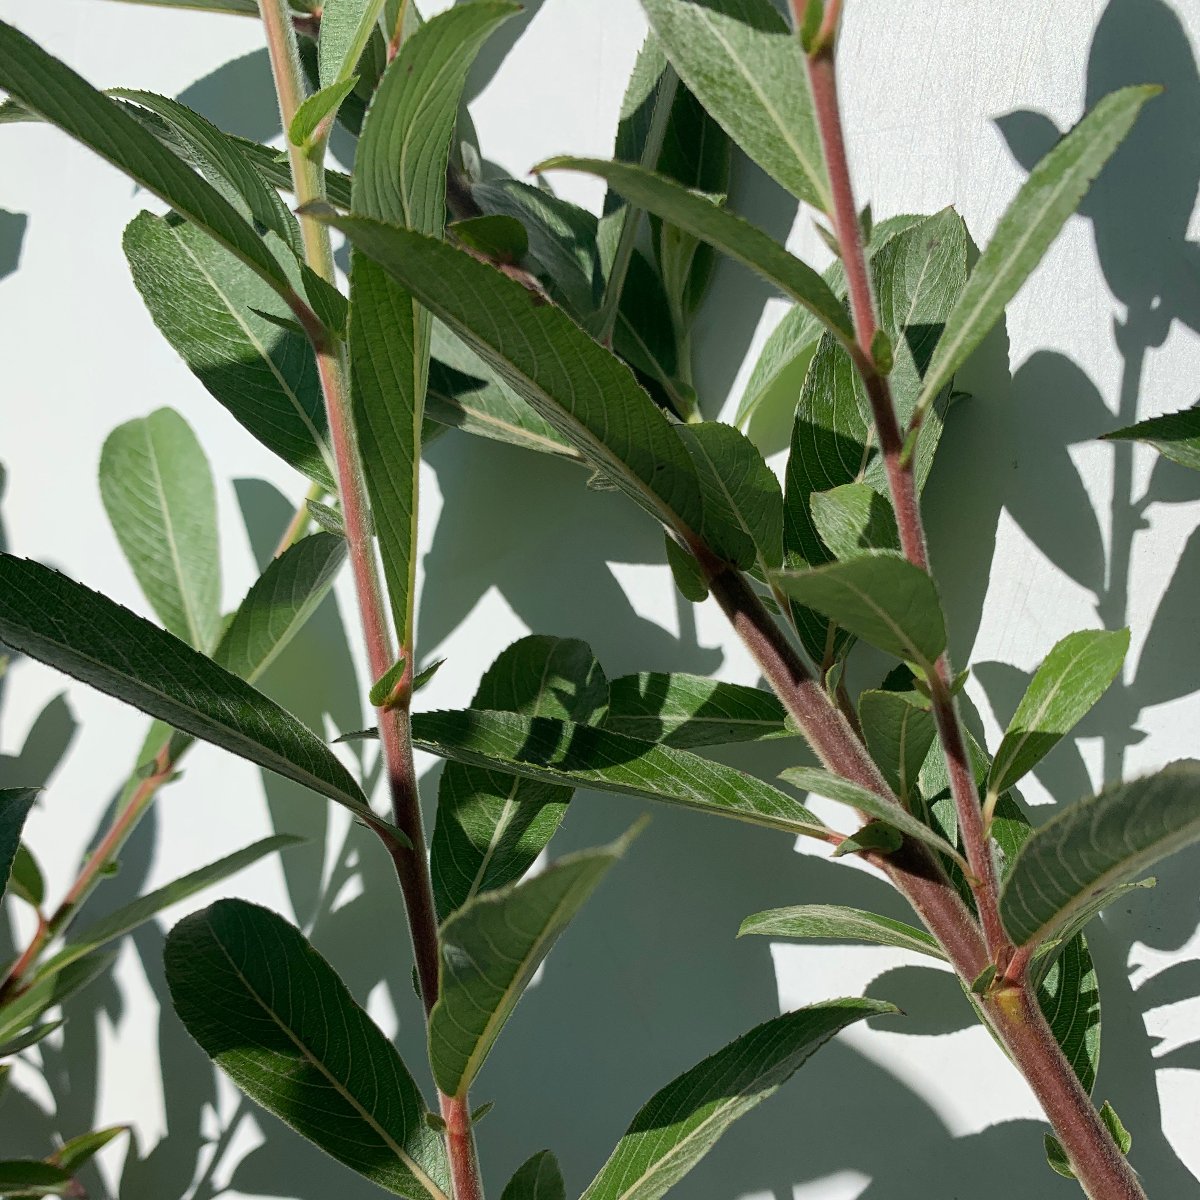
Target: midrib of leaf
(884,616)
(484,417)
(734,507)
(901,768)
(667,384)
(415,123)
(998,768)
(334,1082)
(185,592)
(814,176)
(318,439)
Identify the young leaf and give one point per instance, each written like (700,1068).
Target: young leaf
(275,1017)
(495,236)
(678,1126)
(86,635)
(1074,675)
(62,97)
(44,993)
(382,689)
(279,603)
(1047,198)
(207,305)
(15,804)
(26,879)
(686,711)
(743,502)
(854,518)
(881,598)
(141,910)
(725,231)
(588,396)
(841,924)
(686,571)
(30,1037)
(400,177)
(583,756)
(20,1177)
(491,826)
(743,63)
(825,783)
(538,1178)
(490,949)
(346,28)
(82,1149)
(1176,435)
(899,732)
(317,108)
(1096,843)
(157,488)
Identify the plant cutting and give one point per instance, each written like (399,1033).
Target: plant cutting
(494,306)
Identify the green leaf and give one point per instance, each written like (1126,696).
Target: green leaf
(1097,843)
(538,1178)
(275,1017)
(400,177)
(678,1126)
(690,710)
(584,756)
(317,108)
(1046,199)
(495,236)
(26,879)
(383,688)
(21,1177)
(157,488)
(279,603)
(46,992)
(214,152)
(743,502)
(686,571)
(853,518)
(490,949)
(346,28)
(879,597)
(899,730)
(1176,435)
(743,63)
(82,1149)
(206,304)
(62,97)
(247,8)
(730,234)
(127,918)
(1120,1134)
(825,783)
(588,396)
(1074,675)
(30,1037)
(840,924)
(15,804)
(491,826)
(84,634)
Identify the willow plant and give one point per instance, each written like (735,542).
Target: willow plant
(496,307)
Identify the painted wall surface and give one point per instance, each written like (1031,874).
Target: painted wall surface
(1037,529)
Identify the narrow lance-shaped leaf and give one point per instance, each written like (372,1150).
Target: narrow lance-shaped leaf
(743,63)
(1074,675)
(491,826)
(66,99)
(586,394)
(279,603)
(275,1017)
(686,711)
(881,598)
(584,756)
(82,1149)
(20,1177)
(1046,199)
(730,234)
(346,28)
(43,994)
(86,635)
(157,488)
(130,916)
(824,783)
(680,1124)
(820,921)
(15,804)
(400,177)
(1175,435)
(490,949)
(208,305)
(1096,844)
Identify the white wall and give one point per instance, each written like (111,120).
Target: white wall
(946,103)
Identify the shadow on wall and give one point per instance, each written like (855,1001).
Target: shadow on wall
(650,978)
